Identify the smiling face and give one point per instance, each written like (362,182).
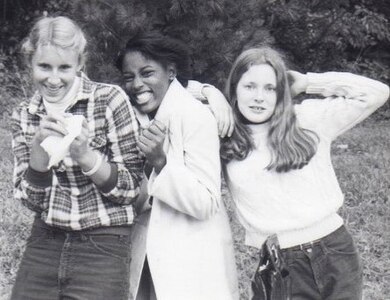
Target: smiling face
(256,93)
(54,71)
(146,80)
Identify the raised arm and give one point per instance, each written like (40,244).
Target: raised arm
(349,99)
(217,104)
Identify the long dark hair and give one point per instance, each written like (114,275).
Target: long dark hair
(291,146)
(161,48)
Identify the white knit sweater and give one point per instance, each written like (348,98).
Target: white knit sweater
(301,205)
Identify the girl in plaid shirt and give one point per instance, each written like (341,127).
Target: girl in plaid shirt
(79,245)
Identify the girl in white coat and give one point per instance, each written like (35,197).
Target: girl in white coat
(187,241)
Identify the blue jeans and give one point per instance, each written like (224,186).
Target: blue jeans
(73,265)
(329,269)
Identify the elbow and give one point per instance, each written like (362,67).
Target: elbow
(212,209)
(381,93)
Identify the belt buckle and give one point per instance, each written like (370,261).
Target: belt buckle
(307,246)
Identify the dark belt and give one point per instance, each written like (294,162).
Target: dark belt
(313,243)
(304,246)
(104,230)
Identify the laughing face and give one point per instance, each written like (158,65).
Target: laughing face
(146,80)
(256,93)
(54,71)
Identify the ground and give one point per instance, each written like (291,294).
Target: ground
(362,162)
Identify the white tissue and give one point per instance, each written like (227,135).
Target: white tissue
(56,147)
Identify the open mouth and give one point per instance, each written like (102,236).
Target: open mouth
(53,89)
(257,108)
(144,97)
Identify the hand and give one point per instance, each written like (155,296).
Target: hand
(50,125)
(151,143)
(221,110)
(79,149)
(298,82)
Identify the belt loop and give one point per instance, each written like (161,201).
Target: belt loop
(83,237)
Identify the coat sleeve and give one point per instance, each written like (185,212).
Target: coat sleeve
(190,181)
(349,99)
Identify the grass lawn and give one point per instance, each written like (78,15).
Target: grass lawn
(362,162)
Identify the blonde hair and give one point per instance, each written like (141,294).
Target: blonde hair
(291,146)
(60,32)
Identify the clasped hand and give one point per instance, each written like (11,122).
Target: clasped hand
(151,142)
(55,125)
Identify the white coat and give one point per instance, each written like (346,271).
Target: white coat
(188,240)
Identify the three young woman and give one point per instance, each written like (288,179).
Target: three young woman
(277,166)
(279,171)
(79,247)
(188,251)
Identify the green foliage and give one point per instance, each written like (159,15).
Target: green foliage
(348,35)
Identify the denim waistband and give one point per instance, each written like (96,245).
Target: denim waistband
(104,230)
(311,244)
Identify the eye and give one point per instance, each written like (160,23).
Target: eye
(44,66)
(249,87)
(270,88)
(65,67)
(128,79)
(148,73)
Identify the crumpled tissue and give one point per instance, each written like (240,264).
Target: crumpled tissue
(58,147)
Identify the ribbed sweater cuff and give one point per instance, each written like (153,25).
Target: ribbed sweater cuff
(40,179)
(112,180)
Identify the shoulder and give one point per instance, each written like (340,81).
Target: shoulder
(110,96)
(20,111)
(109,91)
(195,111)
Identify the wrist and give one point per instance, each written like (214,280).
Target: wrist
(159,164)
(88,160)
(207,90)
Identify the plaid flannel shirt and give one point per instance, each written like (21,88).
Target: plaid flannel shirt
(64,197)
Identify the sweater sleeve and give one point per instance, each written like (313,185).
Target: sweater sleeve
(349,99)
(195,89)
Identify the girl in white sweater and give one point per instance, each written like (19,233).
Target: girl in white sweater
(279,171)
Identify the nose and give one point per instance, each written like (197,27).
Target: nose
(259,97)
(54,78)
(137,83)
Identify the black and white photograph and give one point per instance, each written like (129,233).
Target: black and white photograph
(194,150)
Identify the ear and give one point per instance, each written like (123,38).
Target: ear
(172,71)
(81,65)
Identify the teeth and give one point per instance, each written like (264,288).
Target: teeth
(143,97)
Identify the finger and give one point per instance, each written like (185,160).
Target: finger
(54,127)
(160,125)
(156,130)
(232,124)
(142,147)
(148,135)
(146,142)
(55,117)
(226,125)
